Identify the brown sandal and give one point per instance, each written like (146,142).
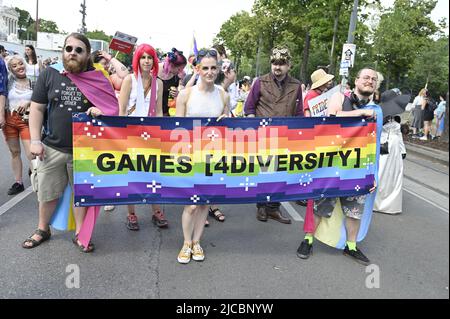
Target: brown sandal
(217,214)
(45,235)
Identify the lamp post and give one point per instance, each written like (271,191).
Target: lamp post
(351,31)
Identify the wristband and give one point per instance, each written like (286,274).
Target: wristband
(36,142)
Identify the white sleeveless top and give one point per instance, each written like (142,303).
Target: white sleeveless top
(32,71)
(133,96)
(204,104)
(18,94)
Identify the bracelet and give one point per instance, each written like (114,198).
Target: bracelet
(35,142)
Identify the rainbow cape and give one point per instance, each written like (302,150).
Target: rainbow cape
(331,231)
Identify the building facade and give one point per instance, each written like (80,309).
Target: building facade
(9,22)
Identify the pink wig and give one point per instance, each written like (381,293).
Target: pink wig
(140,50)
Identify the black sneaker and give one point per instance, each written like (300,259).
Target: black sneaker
(357,255)
(304,250)
(16,189)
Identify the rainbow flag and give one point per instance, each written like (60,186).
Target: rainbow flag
(132,160)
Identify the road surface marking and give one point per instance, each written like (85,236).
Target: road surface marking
(14,201)
(426,200)
(291,210)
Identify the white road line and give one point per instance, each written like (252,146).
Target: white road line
(13,202)
(291,210)
(426,200)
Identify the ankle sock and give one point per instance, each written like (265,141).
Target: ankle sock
(351,245)
(309,238)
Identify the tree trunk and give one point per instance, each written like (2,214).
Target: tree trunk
(258,57)
(304,67)
(333,45)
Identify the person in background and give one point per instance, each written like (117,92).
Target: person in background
(17,114)
(390,191)
(418,105)
(428,107)
(34,65)
(171,72)
(440,117)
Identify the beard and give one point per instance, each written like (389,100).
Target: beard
(366,93)
(74,66)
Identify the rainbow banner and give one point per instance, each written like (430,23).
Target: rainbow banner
(132,160)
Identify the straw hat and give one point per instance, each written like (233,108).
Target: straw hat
(319,78)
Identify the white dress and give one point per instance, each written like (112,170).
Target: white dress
(137,98)
(390,186)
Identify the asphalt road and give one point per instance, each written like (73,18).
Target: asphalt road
(245,258)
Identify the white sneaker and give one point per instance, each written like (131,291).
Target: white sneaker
(423,138)
(197,252)
(184,257)
(109,208)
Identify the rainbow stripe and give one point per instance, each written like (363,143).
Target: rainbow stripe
(111,142)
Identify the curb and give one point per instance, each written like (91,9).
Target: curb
(428,153)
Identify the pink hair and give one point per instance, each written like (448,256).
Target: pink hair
(140,50)
(180,60)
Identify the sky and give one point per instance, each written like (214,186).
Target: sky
(163,26)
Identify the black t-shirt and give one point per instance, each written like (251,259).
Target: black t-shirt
(62,98)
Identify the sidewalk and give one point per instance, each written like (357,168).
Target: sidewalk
(429,153)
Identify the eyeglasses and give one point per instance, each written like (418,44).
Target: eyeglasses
(69,49)
(367,78)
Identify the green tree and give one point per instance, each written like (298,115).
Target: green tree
(99,35)
(25,21)
(403,32)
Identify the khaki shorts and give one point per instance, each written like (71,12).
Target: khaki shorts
(50,176)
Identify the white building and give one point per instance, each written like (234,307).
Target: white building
(9,22)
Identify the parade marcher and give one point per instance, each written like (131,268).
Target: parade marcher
(171,72)
(353,207)
(105,62)
(115,70)
(17,115)
(78,88)
(321,82)
(141,95)
(34,65)
(202,100)
(440,117)
(3,88)
(392,153)
(275,95)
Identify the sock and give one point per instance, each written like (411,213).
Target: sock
(309,238)
(351,245)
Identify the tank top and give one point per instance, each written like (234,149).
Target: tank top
(133,97)
(32,71)
(17,94)
(204,104)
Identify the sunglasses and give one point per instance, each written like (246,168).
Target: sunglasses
(204,53)
(69,49)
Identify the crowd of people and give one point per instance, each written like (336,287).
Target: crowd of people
(428,116)
(35,110)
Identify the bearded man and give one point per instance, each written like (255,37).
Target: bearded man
(57,94)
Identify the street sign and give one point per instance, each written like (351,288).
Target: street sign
(343,71)
(123,42)
(348,54)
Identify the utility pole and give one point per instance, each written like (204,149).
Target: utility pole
(83,29)
(37,19)
(351,35)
